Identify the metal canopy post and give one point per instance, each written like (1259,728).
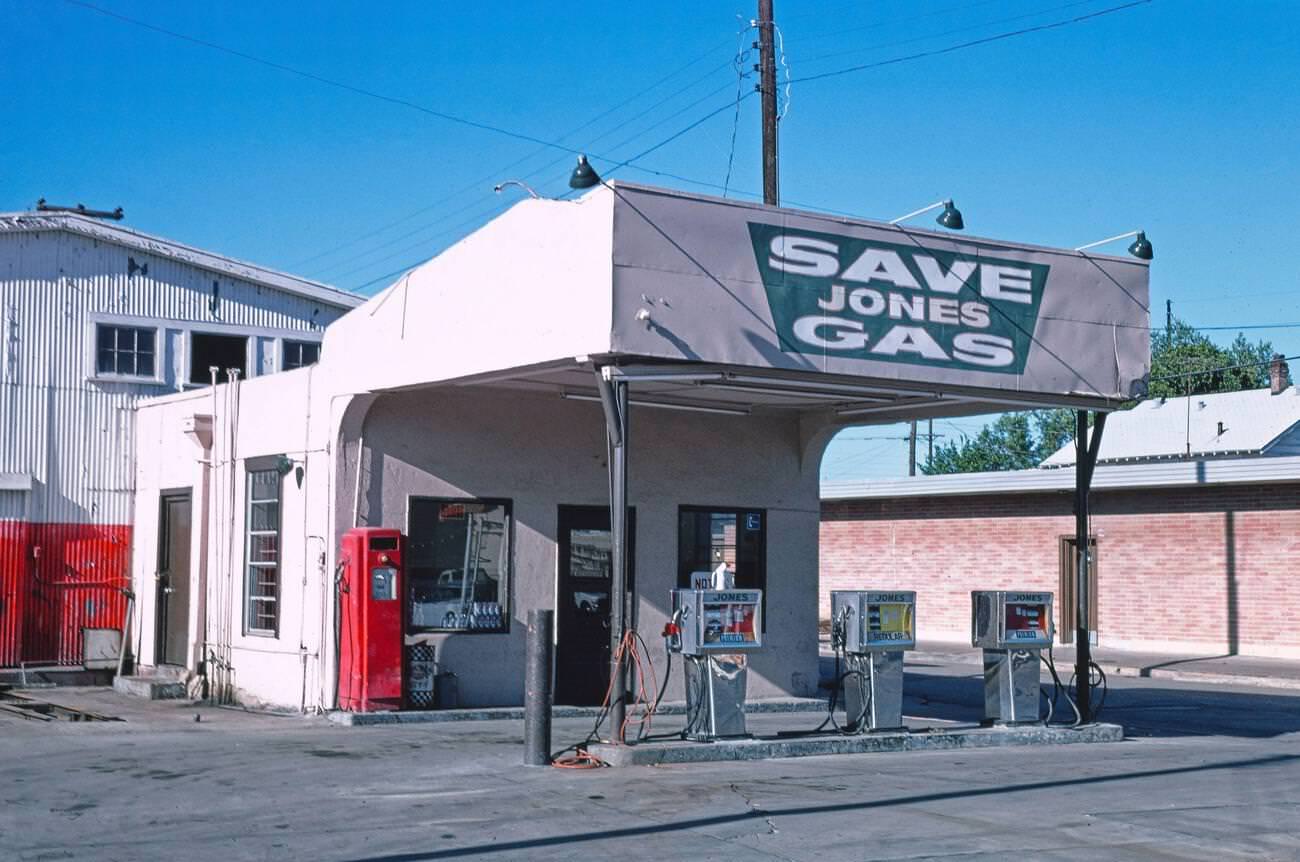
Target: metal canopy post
(1084,464)
(614,401)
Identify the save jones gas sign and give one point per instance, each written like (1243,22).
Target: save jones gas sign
(897,302)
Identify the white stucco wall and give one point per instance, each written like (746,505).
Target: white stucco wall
(261,418)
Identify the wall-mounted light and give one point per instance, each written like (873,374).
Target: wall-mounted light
(949,218)
(1139,248)
(584,176)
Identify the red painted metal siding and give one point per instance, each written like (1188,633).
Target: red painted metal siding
(56,579)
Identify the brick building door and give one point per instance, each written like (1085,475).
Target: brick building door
(1068,595)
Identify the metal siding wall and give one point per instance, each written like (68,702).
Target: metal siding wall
(74,435)
(14,585)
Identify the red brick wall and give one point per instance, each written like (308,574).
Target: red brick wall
(1197,568)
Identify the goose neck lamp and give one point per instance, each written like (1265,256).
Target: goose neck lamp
(1139,248)
(949,218)
(584,176)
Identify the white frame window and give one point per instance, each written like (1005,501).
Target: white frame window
(125,352)
(262,573)
(292,350)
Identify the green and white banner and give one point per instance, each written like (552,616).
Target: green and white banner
(897,302)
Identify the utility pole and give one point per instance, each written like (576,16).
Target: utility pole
(911,450)
(1169,318)
(929,436)
(767,89)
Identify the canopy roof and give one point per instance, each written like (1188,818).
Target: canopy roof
(708,302)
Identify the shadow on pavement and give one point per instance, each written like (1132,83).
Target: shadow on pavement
(869,805)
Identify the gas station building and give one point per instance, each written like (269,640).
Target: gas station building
(687,354)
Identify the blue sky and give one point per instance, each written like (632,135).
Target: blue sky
(1176,117)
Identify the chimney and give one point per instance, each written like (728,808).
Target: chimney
(1277,374)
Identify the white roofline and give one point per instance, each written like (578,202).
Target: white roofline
(130,238)
(1164,474)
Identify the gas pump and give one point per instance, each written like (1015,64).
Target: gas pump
(1012,628)
(370,624)
(873,629)
(713,630)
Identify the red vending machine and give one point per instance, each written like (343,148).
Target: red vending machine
(370,622)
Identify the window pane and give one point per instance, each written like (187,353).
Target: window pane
(310,353)
(262,547)
(124,350)
(264,485)
(458,555)
(264,516)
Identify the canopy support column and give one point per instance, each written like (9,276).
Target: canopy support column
(1084,464)
(614,401)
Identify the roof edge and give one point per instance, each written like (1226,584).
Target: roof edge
(24,222)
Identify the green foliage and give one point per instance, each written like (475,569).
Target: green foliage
(1183,362)
(1186,362)
(1014,441)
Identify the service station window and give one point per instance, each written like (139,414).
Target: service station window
(707,537)
(262,553)
(457,564)
(124,351)
(297,354)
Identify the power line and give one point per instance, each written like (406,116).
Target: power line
(955,30)
(973,43)
(321,79)
(498,173)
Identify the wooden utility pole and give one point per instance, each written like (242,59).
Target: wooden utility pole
(767,89)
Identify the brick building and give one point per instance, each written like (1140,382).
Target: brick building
(1196,520)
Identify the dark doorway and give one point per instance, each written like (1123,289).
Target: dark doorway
(223,351)
(173,616)
(582,614)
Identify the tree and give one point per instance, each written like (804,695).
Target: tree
(1183,362)
(1186,362)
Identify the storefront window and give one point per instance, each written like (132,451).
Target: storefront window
(707,537)
(458,564)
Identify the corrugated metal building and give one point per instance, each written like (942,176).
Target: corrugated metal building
(94,316)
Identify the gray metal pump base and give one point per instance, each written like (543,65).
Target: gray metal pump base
(652,754)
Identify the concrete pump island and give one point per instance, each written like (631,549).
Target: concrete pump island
(595,426)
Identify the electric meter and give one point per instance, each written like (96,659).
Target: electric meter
(1002,619)
(875,620)
(719,621)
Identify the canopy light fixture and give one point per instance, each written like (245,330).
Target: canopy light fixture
(949,218)
(584,176)
(523,185)
(1139,248)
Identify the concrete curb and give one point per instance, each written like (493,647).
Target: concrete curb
(516,713)
(658,753)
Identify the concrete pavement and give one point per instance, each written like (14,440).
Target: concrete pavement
(1211,773)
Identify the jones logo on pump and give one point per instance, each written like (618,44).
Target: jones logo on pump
(865,299)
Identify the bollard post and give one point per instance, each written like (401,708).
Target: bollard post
(538,690)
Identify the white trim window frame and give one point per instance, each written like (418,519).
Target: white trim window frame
(263,576)
(284,345)
(119,324)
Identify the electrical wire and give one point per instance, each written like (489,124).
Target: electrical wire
(971,44)
(742,57)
